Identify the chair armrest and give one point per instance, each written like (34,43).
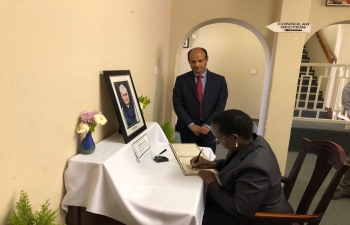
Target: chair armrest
(280,217)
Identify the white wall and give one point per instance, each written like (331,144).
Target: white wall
(233,51)
(330,34)
(315,51)
(344,53)
(51,57)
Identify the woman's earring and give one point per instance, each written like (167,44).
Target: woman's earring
(236,145)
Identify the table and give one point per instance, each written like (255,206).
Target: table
(110,182)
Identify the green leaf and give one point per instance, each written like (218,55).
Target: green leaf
(169,132)
(144,100)
(92,127)
(25,215)
(46,216)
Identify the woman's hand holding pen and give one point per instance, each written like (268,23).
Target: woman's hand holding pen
(203,163)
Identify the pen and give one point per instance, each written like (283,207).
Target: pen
(197,159)
(162,152)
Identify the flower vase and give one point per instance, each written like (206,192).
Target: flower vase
(87,145)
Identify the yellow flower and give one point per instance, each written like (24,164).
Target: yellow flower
(100,119)
(82,128)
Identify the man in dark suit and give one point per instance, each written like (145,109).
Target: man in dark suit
(198,95)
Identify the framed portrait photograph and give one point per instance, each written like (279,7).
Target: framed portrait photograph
(125,101)
(337,2)
(186,44)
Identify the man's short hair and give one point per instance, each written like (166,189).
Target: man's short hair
(205,52)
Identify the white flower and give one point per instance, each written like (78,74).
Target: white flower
(82,128)
(141,105)
(100,119)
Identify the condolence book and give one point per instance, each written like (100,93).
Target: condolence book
(184,153)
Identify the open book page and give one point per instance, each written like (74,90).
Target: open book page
(184,153)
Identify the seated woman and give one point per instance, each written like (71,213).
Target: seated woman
(250,176)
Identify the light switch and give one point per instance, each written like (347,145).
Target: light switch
(252,72)
(194,36)
(155,70)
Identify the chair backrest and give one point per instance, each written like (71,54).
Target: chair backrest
(329,155)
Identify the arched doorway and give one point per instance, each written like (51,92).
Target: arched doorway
(245,77)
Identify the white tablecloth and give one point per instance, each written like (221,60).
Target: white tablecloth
(111,182)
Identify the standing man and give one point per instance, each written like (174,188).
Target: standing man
(198,96)
(343,190)
(346,98)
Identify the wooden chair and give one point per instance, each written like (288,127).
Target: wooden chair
(329,155)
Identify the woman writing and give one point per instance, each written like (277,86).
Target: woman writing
(249,175)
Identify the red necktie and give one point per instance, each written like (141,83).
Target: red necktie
(200,93)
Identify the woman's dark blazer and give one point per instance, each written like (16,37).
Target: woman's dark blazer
(251,182)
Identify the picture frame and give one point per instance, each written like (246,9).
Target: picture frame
(187,43)
(338,3)
(125,101)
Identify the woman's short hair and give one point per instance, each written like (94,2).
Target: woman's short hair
(234,121)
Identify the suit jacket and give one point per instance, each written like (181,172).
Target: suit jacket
(251,182)
(186,101)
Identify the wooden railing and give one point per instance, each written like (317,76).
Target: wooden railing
(329,55)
